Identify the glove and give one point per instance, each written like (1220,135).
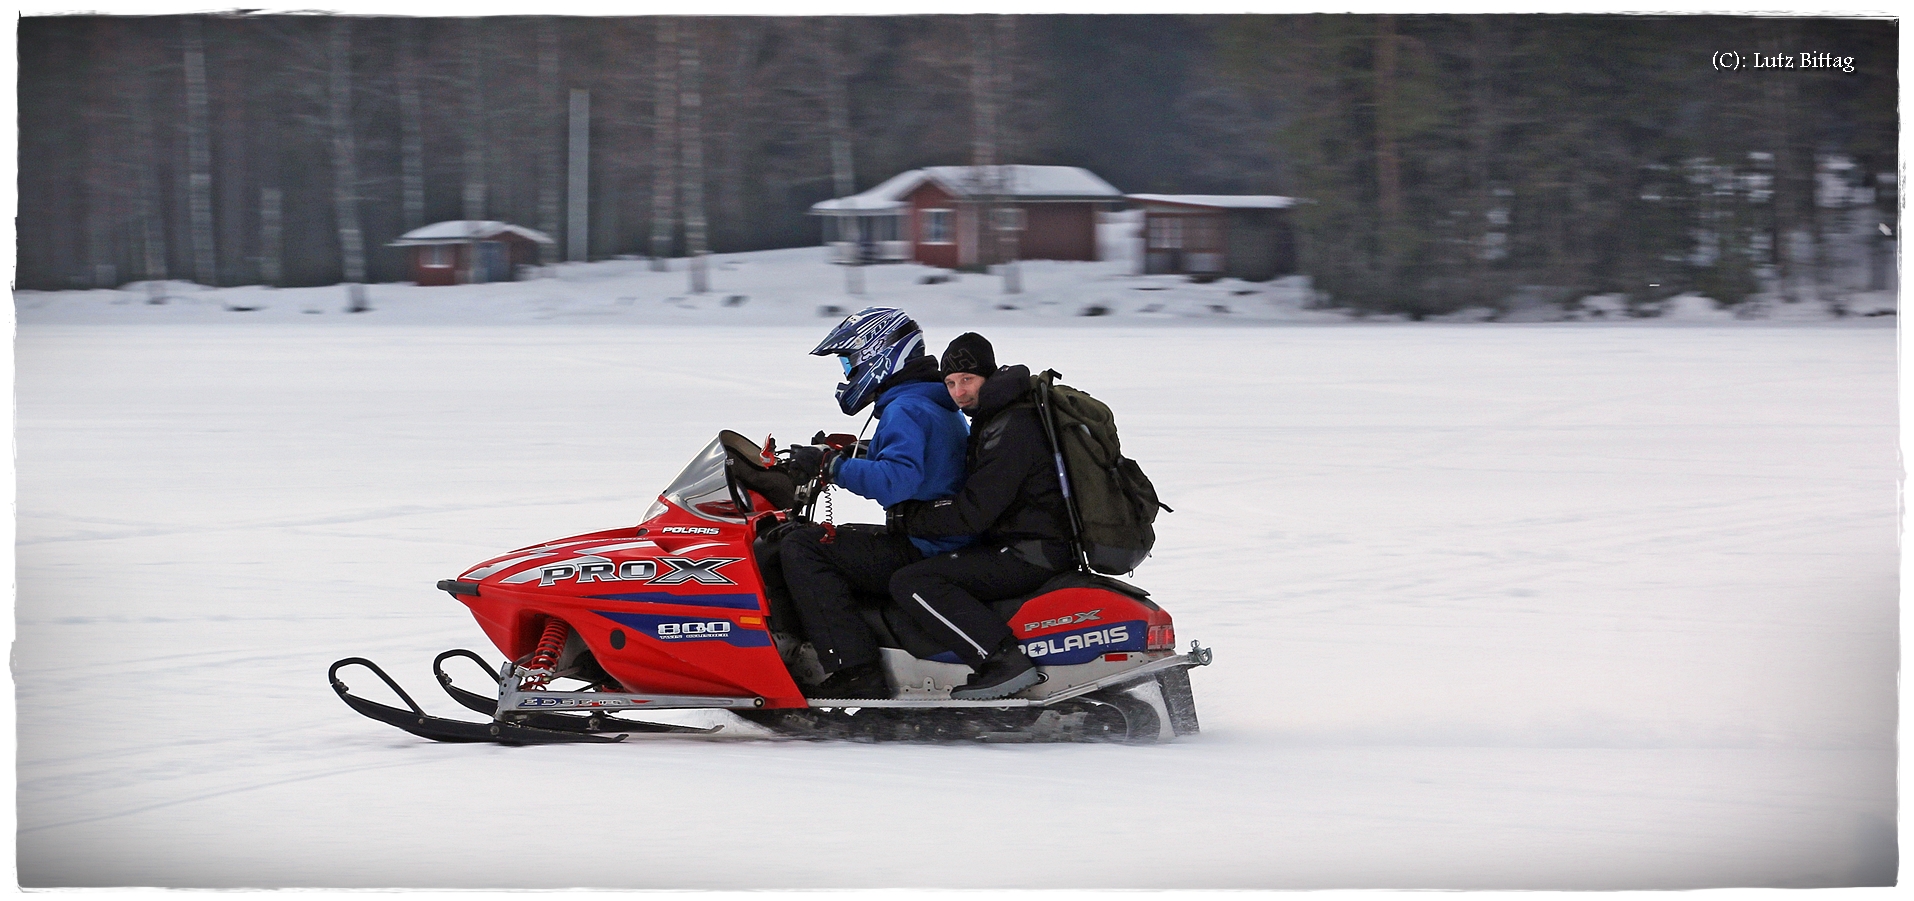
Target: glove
(897,516)
(811,461)
(845,444)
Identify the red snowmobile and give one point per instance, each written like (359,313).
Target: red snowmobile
(675,613)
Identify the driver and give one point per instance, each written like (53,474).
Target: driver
(917,453)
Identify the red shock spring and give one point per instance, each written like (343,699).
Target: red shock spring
(538,671)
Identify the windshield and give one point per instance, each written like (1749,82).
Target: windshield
(701,489)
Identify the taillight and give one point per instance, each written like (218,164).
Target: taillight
(1162,638)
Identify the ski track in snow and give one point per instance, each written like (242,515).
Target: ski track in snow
(1575,607)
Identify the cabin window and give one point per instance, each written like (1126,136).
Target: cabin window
(1203,233)
(936,227)
(1166,232)
(436,256)
(1008,218)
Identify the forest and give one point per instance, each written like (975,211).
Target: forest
(1440,161)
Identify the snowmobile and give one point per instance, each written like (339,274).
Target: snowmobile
(676,613)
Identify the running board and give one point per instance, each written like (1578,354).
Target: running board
(515,701)
(1198,656)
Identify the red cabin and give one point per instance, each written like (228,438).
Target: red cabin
(462,251)
(935,215)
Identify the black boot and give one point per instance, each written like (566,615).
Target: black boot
(1003,674)
(865,681)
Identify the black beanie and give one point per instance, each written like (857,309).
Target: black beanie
(969,352)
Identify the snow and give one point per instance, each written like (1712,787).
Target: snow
(1051,182)
(1219,201)
(1028,181)
(1593,605)
(458,230)
(887,195)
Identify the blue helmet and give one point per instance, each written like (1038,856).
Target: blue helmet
(875,342)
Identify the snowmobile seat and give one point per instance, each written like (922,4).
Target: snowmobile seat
(895,629)
(1008,607)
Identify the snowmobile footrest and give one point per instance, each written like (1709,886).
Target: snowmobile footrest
(557,722)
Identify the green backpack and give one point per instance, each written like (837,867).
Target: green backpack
(1112,503)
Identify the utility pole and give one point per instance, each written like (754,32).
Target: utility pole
(691,135)
(577,203)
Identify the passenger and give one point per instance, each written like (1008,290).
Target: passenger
(1011,500)
(917,452)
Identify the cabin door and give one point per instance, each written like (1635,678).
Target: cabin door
(495,264)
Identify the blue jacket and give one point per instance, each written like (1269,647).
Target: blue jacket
(917,453)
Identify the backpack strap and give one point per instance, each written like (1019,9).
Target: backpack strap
(1044,414)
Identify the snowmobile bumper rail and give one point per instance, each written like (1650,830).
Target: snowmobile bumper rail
(416,721)
(1198,656)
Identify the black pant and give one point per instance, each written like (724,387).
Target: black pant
(949,596)
(824,578)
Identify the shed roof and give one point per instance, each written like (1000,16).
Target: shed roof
(1218,201)
(1029,183)
(459,231)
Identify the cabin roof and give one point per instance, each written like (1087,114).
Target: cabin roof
(1027,183)
(460,231)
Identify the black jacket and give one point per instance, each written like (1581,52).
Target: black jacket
(1011,494)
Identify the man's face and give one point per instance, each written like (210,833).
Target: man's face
(963,387)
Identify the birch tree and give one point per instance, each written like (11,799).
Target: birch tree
(411,130)
(994,232)
(345,172)
(745,44)
(473,131)
(152,226)
(690,127)
(547,146)
(837,103)
(663,141)
(199,161)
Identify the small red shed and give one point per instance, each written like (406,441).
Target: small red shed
(1246,236)
(466,251)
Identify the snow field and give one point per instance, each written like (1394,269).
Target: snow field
(1515,607)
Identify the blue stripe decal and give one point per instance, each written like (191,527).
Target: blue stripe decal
(728,601)
(682,629)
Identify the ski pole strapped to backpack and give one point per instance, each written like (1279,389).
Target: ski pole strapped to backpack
(1112,503)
